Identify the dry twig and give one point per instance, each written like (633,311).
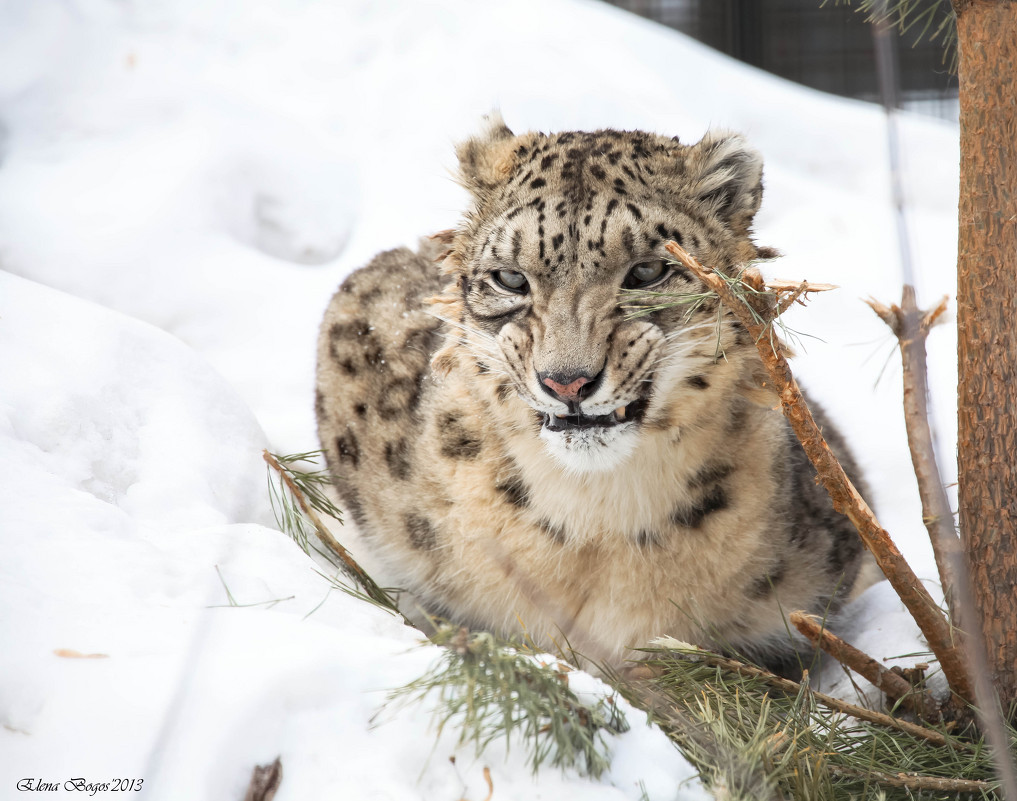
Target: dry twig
(914,781)
(896,687)
(927,615)
(911,326)
(265,781)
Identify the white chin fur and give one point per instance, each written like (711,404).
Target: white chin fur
(591,450)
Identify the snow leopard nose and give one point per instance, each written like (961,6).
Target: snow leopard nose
(568,388)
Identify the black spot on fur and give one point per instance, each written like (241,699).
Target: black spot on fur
(422,533)
(634,210)
(536,183)
(422,340)
(360,409)
(844,550)
(556,533)
(517,244)
(319,404)
(628,241)
(347,366)
(738,417)
(516,492)
(352,330)
(457,441)
(350,503)
(397,457)
(401,396)
(714,500)
(697,382)
(648,539)
(348,449)
(812,521)
(548,160)
(504,391)
(761,587)
(710,474)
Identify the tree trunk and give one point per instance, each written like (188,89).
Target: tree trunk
(987,326)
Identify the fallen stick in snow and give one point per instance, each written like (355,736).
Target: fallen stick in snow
(265,781)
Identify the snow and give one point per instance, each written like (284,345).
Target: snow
(182,186)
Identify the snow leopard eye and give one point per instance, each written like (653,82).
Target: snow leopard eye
(645,274)
(511,281)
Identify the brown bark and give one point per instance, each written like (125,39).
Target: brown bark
(923,609)
(987,328)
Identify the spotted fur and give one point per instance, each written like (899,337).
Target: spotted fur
(533,455)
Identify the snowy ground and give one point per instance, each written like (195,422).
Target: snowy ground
(182,186)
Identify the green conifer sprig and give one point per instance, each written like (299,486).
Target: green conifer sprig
(755,739)
(934,19)
(297,496)
(489,690)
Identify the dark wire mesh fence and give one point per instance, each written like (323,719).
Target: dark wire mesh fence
(828,46)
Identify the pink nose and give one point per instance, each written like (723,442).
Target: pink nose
(567,392)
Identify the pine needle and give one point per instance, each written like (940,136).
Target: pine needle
(490,690)
(297,496)
(757,741)
(932,19)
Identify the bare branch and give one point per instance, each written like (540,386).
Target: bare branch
(911,326)
(896,687)
(916,598)
(914,781)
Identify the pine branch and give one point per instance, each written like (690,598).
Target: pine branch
(807,744)
(791,687)
(754,309)
(491,689)
(300,487)
(934,19)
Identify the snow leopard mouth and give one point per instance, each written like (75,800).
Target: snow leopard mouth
(630,413)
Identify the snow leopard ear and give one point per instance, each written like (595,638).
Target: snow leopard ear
(486,160)
(727,176)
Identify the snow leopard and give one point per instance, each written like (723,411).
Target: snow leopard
(533,442)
